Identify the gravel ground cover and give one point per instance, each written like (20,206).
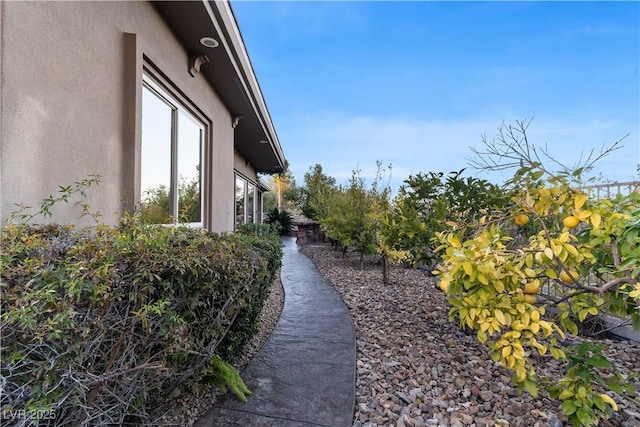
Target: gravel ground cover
(415,368)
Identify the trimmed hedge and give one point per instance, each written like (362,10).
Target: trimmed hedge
(101,324)
(267,244)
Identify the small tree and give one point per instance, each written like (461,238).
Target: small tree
(586,247)
(347,221)
(427,202)
(317,193)
(359,217)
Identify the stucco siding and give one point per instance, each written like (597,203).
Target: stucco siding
(66,85)
(241,166)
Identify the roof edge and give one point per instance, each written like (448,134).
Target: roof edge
(239,57)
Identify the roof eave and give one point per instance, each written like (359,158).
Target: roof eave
(231,75)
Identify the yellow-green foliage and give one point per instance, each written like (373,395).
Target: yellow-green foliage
(493,282)
(225,376)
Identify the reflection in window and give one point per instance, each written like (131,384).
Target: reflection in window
(189,160)
(240,199)
(259,206)
(155,176)
(245,201)
(171,169)
(251,197)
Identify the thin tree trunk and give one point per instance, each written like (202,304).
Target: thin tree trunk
(279,196)
(385,271)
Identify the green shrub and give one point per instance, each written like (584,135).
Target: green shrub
(427,203)
(280,221)
(255,229)
(246,325)
(99,325)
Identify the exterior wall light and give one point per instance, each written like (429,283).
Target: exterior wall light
(209,42)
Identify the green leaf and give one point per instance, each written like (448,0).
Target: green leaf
(585,416)
(531,388)
(570,326)
(556,353)
(582,314)
(614,386)
(583,349)
(636,322)
(568,407)
(599,362)
(498,286)
(537,175)
(468,268)
(584,373)
(600,403)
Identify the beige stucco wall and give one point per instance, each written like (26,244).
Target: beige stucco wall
(68,99)
(244,169)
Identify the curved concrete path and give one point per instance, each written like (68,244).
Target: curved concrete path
(305,373)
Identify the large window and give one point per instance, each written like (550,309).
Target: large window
(245,201)
(171,167)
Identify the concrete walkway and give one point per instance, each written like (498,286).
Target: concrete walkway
(305,373)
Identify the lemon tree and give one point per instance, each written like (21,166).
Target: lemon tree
(495,280)
(424,204)
(521,219)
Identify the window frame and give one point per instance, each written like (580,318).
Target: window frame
(238,221)
(159,86)
(245,215)
(250,211)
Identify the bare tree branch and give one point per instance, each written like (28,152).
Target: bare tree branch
(511,149)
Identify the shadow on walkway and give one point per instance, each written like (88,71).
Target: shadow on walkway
(305,373)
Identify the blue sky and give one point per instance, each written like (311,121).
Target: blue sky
(415,84)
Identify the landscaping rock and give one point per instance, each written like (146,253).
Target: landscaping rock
(419,369)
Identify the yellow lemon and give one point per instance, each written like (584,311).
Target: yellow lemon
(532,288)
(570,221)
(531,299)
(521,219)
(570,277)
